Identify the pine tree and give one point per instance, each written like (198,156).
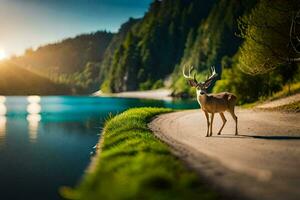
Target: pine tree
(271,32)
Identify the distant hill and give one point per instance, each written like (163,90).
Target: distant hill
(146,53)
(73,61)
(16,80)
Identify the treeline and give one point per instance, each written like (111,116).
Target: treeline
(154,45)
(74,61)
(268,59)
(254,45)
(212,41)
(179,33)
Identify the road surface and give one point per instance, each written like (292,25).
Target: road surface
(263,162)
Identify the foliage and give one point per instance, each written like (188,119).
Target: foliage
(213,39)
(266,30)
(154,45)
(111,55)
(261,68)
(288,89)
(134,164)
(176,33)
(86,81)
(249,88)
(146,85)
(158,84)
(69,61)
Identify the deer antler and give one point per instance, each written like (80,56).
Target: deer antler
(192,80)
(211,77)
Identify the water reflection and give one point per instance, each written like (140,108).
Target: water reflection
(34,99)
(2,130)
(33,125)
(33,118)
(34,106)
(3,111)
(42,135)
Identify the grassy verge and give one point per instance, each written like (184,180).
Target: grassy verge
(294,89)
(285,92)
(133,164)
(292,107)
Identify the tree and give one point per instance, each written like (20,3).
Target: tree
(272,36)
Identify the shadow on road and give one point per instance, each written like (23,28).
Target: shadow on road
(265,137)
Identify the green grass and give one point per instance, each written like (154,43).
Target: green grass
(294,89)
(133,164)
(285,92)
(292,107)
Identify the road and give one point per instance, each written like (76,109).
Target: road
(262,162)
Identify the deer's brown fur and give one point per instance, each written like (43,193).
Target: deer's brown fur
(213,103)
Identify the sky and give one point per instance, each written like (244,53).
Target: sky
(31,23)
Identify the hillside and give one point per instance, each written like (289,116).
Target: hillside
(154,45)
(73,61)
(146,52)
(15,80)
(214,39)
(115,43)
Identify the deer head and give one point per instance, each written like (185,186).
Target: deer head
(200,86)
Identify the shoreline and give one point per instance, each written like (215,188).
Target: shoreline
(159,94)
(128,150)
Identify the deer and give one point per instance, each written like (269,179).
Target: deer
(212,103)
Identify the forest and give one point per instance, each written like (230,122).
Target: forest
(254,45)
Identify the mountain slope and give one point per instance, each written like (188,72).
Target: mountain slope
(154,45)
(15,80)
(214,40)
(73,61)
(115,43)
(69,55)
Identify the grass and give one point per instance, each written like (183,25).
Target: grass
(292,107)
(285,92)
(133,164)
(294,89)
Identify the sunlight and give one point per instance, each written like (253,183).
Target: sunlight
(34,99)
(3,54)
(2,130)
(3,109)
(2,99)
(34,107)
(33,125)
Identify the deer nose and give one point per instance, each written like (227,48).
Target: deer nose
(201,92)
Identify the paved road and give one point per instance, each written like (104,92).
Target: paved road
(263,162)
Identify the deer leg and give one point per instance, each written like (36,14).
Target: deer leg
(207,119)
(224,122)
(211,122)
(235,119)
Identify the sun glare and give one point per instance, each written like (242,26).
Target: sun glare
(3,54)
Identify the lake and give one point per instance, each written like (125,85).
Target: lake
(47,142)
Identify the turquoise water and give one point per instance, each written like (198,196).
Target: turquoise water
(47,142)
